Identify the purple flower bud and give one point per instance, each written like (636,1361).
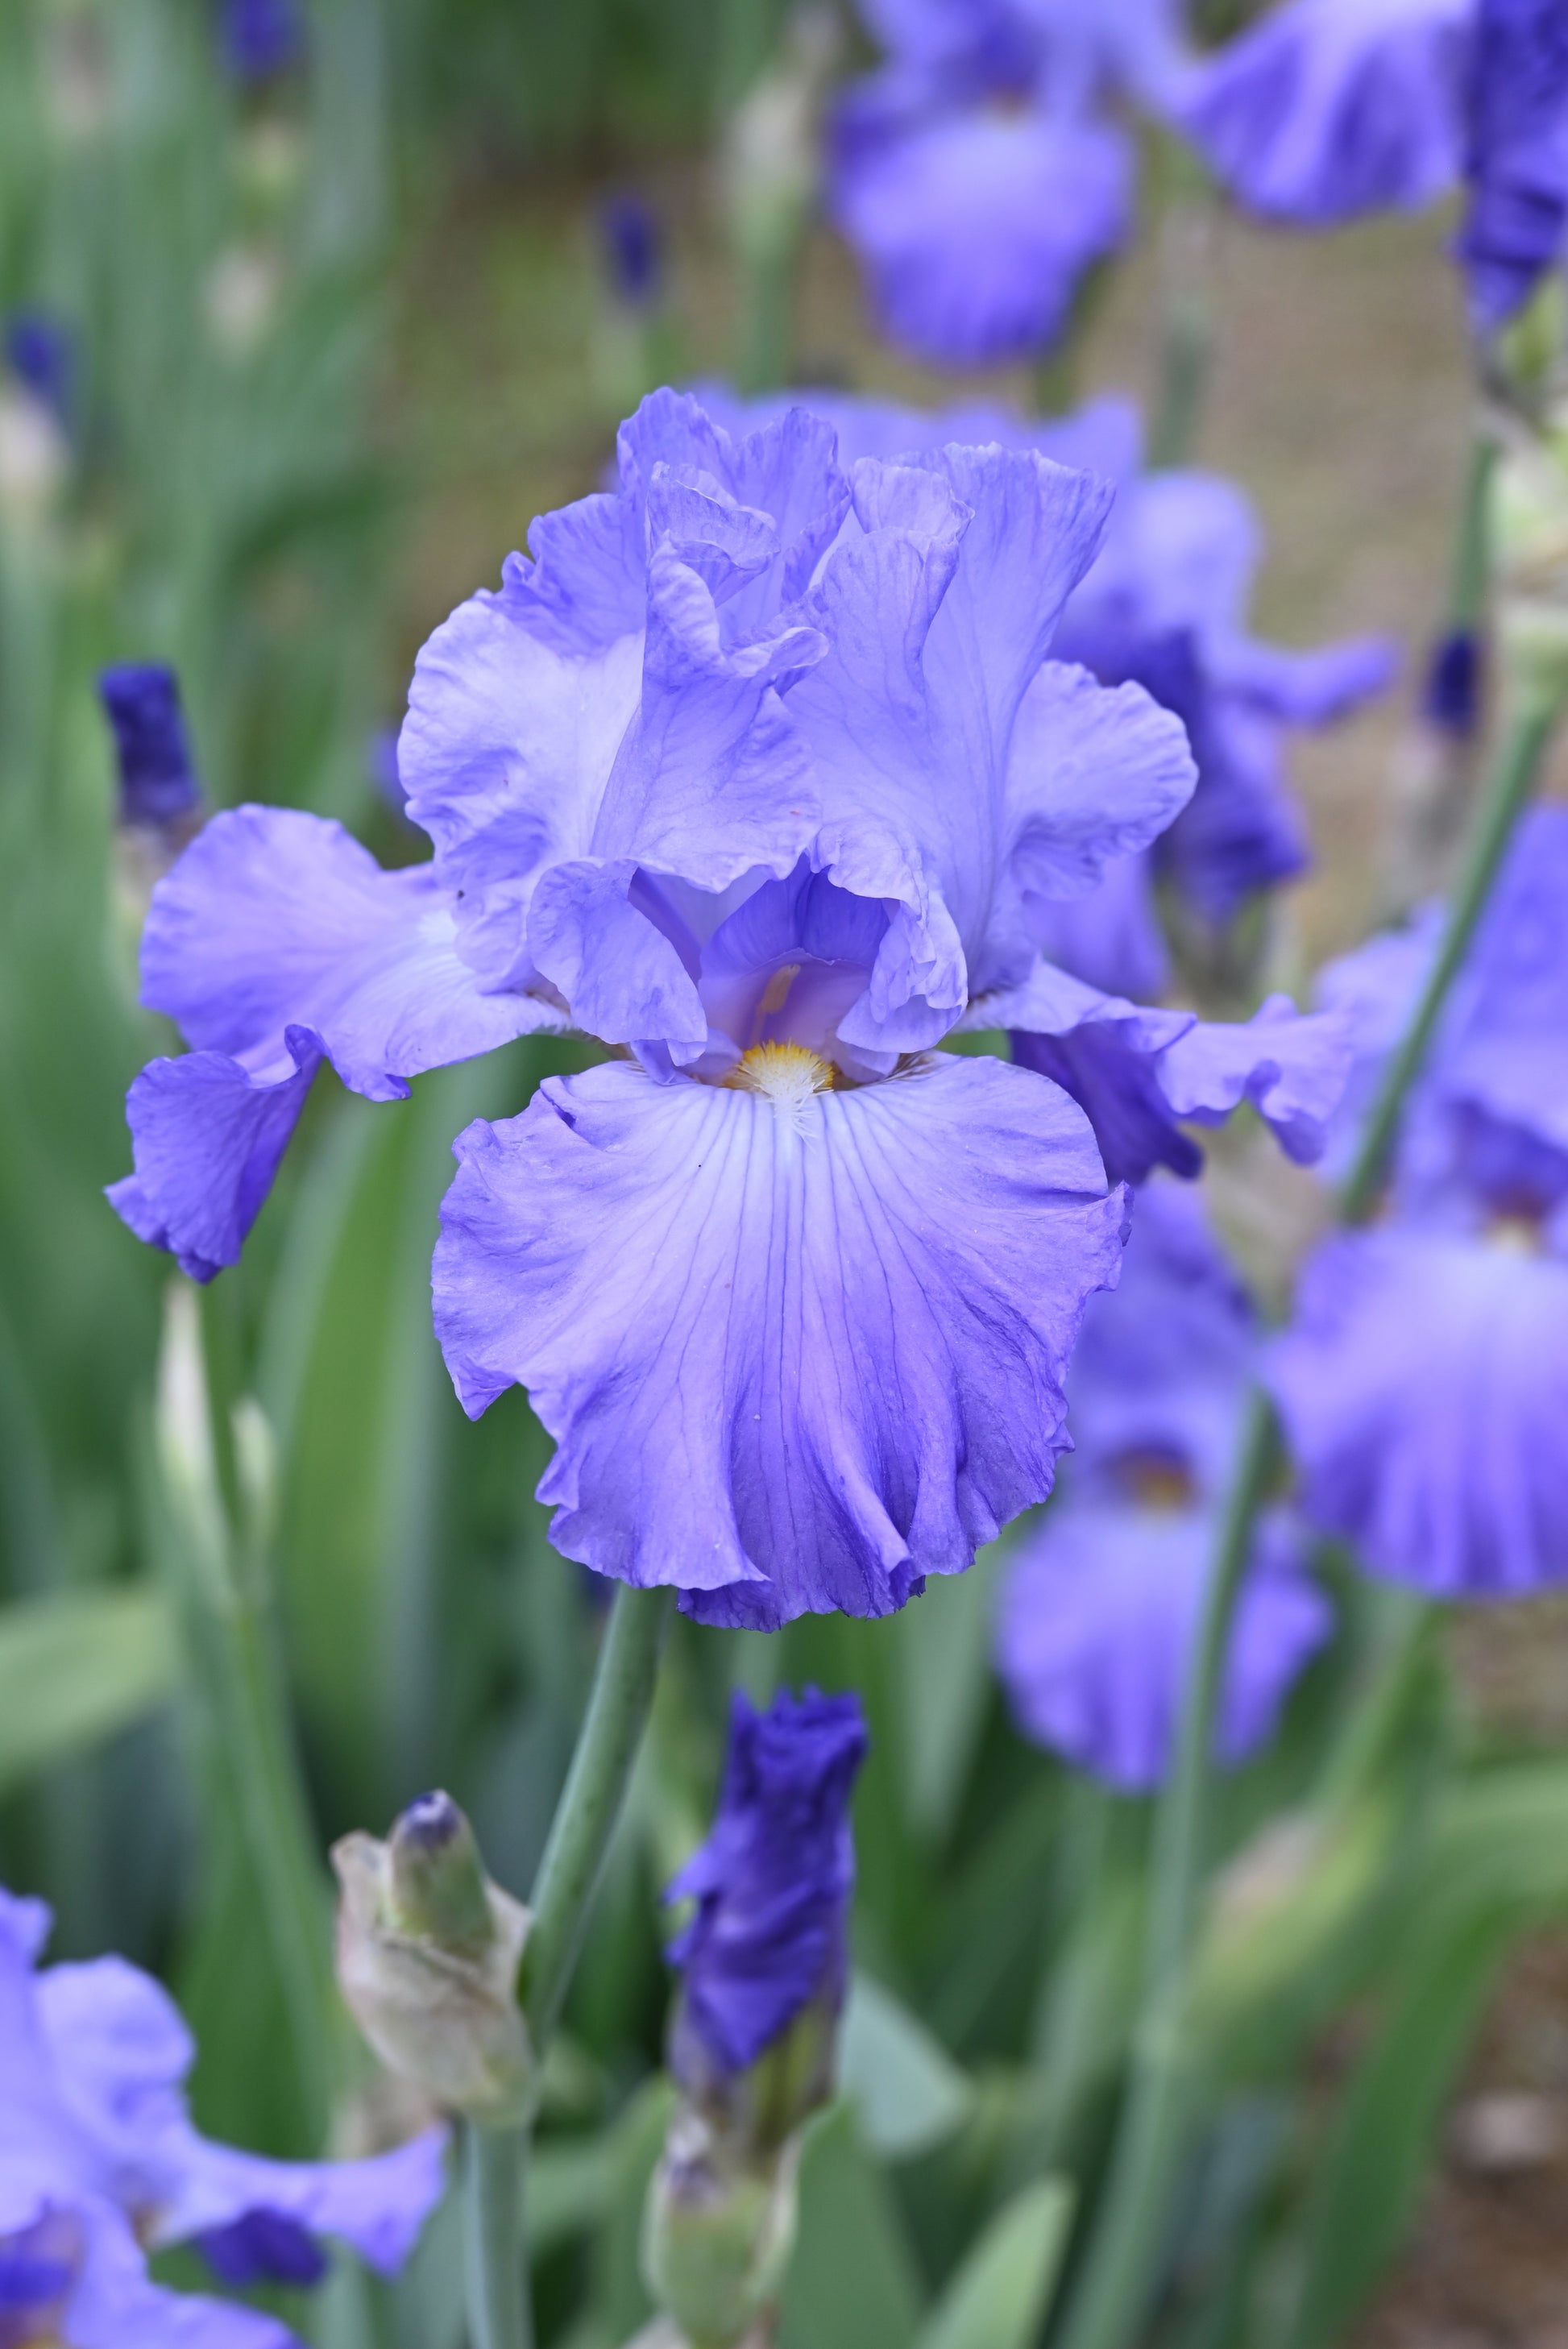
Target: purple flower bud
(261,37)
(1452,697)
(632,244)
(40,354)
(157,783)
(772,1884)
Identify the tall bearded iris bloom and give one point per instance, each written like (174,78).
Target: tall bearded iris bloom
(1099,1611)
(977,176)
(756,771)
(1328,109)
(1424,1382)
(99,2160)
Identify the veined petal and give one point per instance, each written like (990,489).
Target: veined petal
(275,919)
(207,1138)
(795,1356)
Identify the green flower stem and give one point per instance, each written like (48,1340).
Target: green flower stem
(1472,544)
(1116,2279)
(493,2257)
(495,2161)
(590,1805)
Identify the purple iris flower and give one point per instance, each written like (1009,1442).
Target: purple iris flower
(99,2160)
(41,355)
(261,37)
(772,1884)
(1328,109)
(1517,157)
(158,784)
(758,770)
(976,174)
(1424,1379)
(1100,1607)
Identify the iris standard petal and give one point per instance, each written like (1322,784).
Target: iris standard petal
(1517,163)
(1093,775)
(1424,1388)
(274,919)
(794,1356)
(207,1140)
(1330,108)
(1097,1623)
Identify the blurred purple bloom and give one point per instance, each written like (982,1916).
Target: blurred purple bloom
(99,2158)
(1328,109)
(41,355)
(689,778)
(1424,1379)
(1516,160)
(261,37)
(1100,1607)
(629,230)
(975,174)
(158,784)
(772,1884)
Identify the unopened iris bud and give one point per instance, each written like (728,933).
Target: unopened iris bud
(754,2038)
(718,2233)
(428,1956)
(770,166)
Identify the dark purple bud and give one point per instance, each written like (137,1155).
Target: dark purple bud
(39,354)
(772,1884)
(632,245)
(1451,700)
(263,2247)
(261,37)
(157,783)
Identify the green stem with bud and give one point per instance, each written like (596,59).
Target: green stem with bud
(1118,2274)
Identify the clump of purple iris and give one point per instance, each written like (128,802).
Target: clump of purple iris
(978,175)
(759,770)
(261,37)
(1099,1614)
(1516,158)
(158,782)
(1424,1380)
(1328,109)
(99,2162)
(772,1884)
